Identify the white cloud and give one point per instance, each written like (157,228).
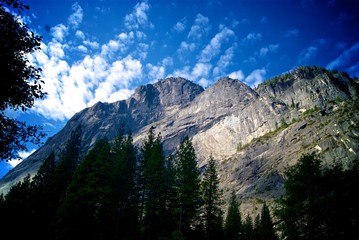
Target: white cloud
(344,59)
(255,78)
(23,155)
(223,62)
(310,52)
(75,19)
(82,48)
(213,48)
(200,28)
(253,36)
(307,54)
(105,75)
(121,74)
(292,33)
(80,34)
(155,72)
(201,70)
(237,75)
(263,20)
(204,82)
(138,18)
(270,48)
(59,32)
(122,94)
(184,50)
(180,26)
(92,44)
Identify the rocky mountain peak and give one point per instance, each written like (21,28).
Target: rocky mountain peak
(166,93)
(177,91)
(252,133)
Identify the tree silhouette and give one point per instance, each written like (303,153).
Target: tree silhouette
(320,201)
(20,80)
(188,186)
(86,209)
(233,222)
(212,201)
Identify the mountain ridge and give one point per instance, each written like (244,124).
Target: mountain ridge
(252,133)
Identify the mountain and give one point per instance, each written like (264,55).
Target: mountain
(253,134)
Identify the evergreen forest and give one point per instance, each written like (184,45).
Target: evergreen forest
(120,191)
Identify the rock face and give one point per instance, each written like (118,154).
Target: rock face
(254,134)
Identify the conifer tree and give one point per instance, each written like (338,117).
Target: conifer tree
(247,229)
(124,157)
(43,207)
(266,229)
(188,186)
(233,222)
(320,201)
(212,202)
(152,201)
(63,172)
(68,162)
(18,206)
(86,211)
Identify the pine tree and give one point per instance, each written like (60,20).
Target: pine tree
(233,222)
(86,210)
(297,209)
(18,206)
(43,206)
(152,202)
(68,162)
(63,172)
(257,228)
(212,202)
(320,201)
(267,231)
(247,229)
(188,186)
(124,157)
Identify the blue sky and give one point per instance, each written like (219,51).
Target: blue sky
(101,50)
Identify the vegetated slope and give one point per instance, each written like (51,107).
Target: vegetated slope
(252,133)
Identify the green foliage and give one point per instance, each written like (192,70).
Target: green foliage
(86,208)
(247,229)
(125,192)
(20,79)
(320,201)
(233,222)
(212,201)
(153,199)
(188,186)
(117,192)
(311,110)
(265,228)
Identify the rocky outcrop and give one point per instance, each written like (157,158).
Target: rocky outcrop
(254,134)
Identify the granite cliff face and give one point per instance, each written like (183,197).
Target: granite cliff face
(252,133)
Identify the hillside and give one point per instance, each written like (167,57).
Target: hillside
(253,134)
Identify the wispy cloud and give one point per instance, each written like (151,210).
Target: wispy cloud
(75,19)
(100,75)
(292,33)
(255,78)
(268,49)
(180,26)
(251,37)
(311,51)
(223,62)
(345,58)
(200,28)
(237,75)
(213,48)
(23,155)
(139,17)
